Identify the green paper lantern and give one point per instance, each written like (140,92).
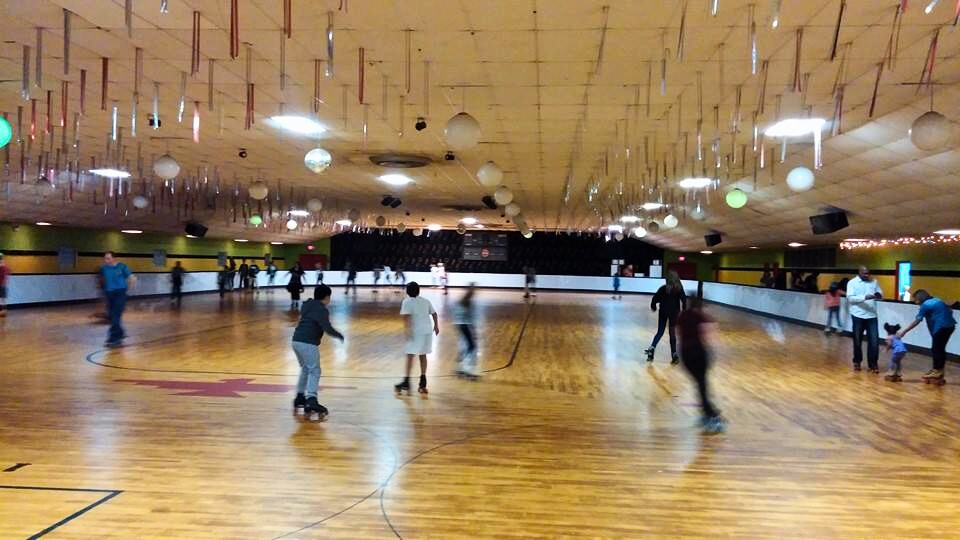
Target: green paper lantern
(6,132)
(256,220)
(736,198)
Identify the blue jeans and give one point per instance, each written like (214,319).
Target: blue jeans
(309,357)
(895,362)
(833,313)
(664,322)
(116,303)
(873,341)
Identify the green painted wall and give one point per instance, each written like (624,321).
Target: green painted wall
(751,258)
(923,257)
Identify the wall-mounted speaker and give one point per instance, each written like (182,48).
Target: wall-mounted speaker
(489,202)
(195,229)
(712,239)
(828,223)
(395,203)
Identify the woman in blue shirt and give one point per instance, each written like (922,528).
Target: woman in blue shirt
(941,324)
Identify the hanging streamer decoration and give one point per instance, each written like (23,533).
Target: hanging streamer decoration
(426,88)
(234,30)
(876,88)
(164,7)
(754,48)
(360,77)
(837,124)
(128,16)
(66,42)
(288,18)
(196,122)
(104,78)
(329,64)
(317,66)
(926,76)
(283,61)
(408,60)
(38,77)
(248,109)
(797,81)
(182,104)
(210,104)
(195,45)
(83,91)
(836,30)
(893,44)
(48,125)
(156,105)
(25,80)
(114,119)
(714,7)
(683,28)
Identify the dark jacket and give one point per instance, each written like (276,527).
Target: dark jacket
(314,321)
(671,300)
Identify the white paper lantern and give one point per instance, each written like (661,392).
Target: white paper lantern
(417,232)
(381,221)
(930,131)
(314,205)
(800,179)
(166,167)
(461,229)
(503,195)
(462,132)
(353,214)
(140,202)
(527,233)
(671,221)
(401,228)
(640,232)
(258,190)
(317,160)
(512,210)
(292,224)
(489,174)
(653,227)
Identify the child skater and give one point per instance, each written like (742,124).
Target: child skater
(616,286)
(418,311)
(463,320)
(696,358)
(897,351)
(831,301)
(314,321)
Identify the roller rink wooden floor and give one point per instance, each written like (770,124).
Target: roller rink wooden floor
(188,432)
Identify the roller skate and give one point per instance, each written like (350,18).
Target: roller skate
(404,386)
(934,376)
(422,387)
(874,370)
(467,374)
(856,367)
(674,359)
(893,376)
(714,424)
(314,411)
(649,351)
(299,403)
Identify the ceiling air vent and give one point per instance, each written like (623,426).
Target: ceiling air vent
(400,161)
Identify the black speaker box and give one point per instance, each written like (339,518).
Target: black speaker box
(712,239)
(195,229)
(828,223)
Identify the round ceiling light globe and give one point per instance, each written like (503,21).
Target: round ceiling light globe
(401,227)
(527,233)
(512,210)
(671,221)
(317,160)
(6,132)
(503,196)
(653,227)
(618,236)
(140,202)
(255,220)
(736,198)
(489,174)
(930,131)
(639,232)
(461,229)
(381,221)
(314,205)
(292,224)
(258,190)
(417,232)
(166,167)
(800,179)
(462,132)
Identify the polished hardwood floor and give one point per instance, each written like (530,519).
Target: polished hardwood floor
(187,432)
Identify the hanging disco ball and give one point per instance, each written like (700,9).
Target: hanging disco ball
(6,132)
(417,232)
(462,132)
(461,229)
(653,227)
(166,167)
(258,190)
(317,160)
(489,174)
(618,236)
(512,210)
(639,232)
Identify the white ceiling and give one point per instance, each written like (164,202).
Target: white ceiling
(560,89)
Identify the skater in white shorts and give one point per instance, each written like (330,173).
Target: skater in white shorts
(418,312)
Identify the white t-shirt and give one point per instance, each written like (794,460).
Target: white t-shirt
(420,310)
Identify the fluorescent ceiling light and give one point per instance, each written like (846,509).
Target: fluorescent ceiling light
(240,240)
(695,183)
(927,10)
(190,236)
(630,219)
(110,173)
(615,228)
(795,244)
(43,224)
(859,239)
(299,213)
(478,226)
(276,243)
(707,252)
(298,124)
(469,221)
(754,247)
(395,179)
(795,127)
(652,206)
(344,222)
(949,232)
(434,227)
(131,231)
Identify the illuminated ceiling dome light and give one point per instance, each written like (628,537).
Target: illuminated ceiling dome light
(648,206)
(949,232)
(317,160)
(112,173)
(166,167)
(462,132)
(629,219)
(297,124)
(395,179)
(795,244)
(930,131)
(695,183)
(299,213)
(795,127)
(736,198)
(434,227)
(469,221)
(292,224)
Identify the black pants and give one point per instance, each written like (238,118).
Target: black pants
(697,363)
(467,334)
(939,347)
(666,320)
(873,341)
(177,292)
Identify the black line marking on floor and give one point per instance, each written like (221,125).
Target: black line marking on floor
(17,466)
(516,346)
(110,493)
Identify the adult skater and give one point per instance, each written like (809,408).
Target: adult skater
(941,324)
(314,322)
(244,272)
(351,280)
(117,279)
(176,283)
(672,300)
(696,359)
(862,294)
(295,286)
(463,320)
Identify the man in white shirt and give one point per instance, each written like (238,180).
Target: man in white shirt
(863,292)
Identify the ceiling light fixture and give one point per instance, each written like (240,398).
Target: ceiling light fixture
(615,228)
(240,240)
(652,206)
(395,179)
(469,221)
(190,236)
(276,243)
(297,124)
(753,247)
(695,183)
(933,3)
(706,252)
(43,224)
(434,227)
(856,239)
(479,226)
(344,222)
(132,231)
(629,219)
(110,173)
(796,244)
(795,127)
(950,232)
(299,213)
